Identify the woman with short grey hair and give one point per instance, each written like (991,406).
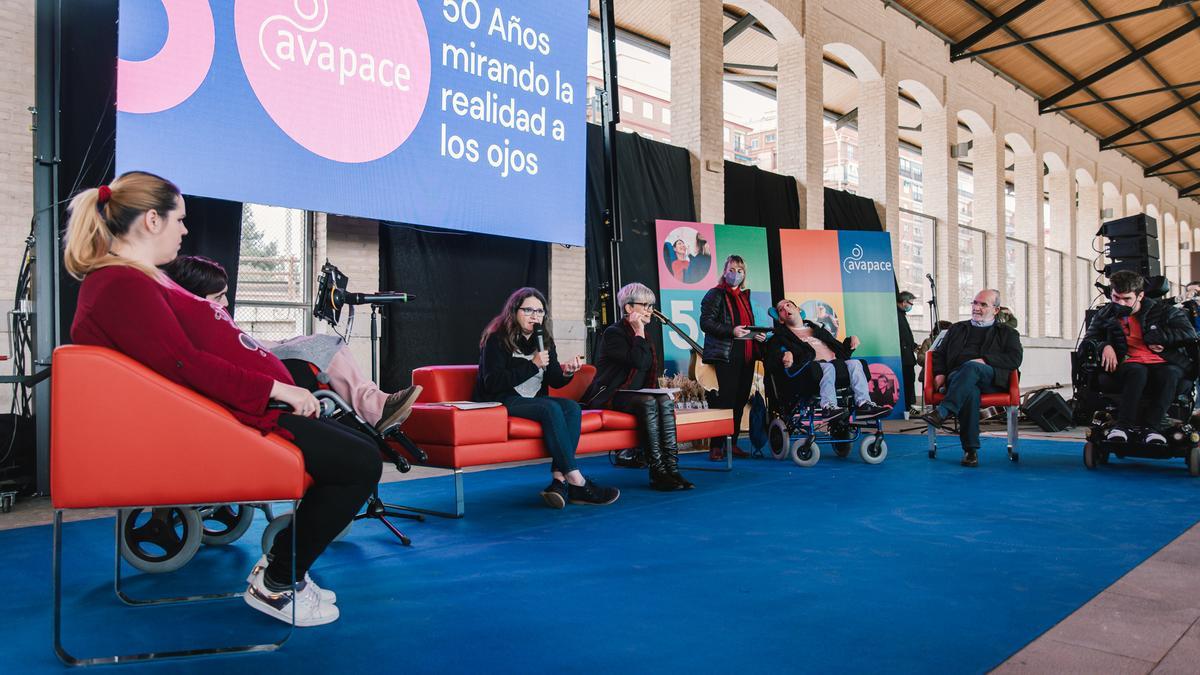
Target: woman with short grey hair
(627,361)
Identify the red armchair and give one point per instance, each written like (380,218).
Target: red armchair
(123,436)
(1011,400)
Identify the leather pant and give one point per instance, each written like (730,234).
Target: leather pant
(656,427)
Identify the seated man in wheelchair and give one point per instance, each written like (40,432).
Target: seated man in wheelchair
(802,353)
(1143,350)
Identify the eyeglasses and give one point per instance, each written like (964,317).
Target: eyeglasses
(976,303)
(532,311)
(647,305)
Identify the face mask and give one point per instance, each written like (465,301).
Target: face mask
(908,309)
(734,278)
(1122,311)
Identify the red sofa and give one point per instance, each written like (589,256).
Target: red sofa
(455,439)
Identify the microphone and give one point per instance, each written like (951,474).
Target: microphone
(929,277)
(374,298)
(538,332)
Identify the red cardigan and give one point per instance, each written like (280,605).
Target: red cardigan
(186,339)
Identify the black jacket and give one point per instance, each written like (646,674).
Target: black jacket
(1001,350)
(717,322)
(784,341)
(908,344)
(500,371)
(621,355)
(1162,324)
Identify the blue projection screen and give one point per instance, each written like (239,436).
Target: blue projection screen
(463,114)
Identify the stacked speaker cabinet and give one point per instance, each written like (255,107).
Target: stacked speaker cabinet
(1132,245)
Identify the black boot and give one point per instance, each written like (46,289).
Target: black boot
(670,447)
(652,443)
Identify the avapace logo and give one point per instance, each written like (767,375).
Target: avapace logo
(855,263)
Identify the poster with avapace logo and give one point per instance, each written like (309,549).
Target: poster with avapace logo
(464,114)
(691,258)
(845,281)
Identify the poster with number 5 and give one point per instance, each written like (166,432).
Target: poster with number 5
(691,259)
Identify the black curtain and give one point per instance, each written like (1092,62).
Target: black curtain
(87,135)
(459,280)
(764,199)
(654,181)
(845,211)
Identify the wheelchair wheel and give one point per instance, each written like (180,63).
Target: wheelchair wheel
(1193,462)
(1089,455)
(225,524)
(805,452)
(277,525)
(159,540)
(873,449)
(777,438)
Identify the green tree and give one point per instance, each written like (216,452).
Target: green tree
(255,245)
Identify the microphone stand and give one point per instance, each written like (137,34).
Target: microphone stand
(933,305)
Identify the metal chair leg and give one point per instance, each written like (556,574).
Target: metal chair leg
(71,660)
(728,461)
(1013,454)
(459,501)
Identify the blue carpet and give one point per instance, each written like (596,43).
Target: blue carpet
(910,566)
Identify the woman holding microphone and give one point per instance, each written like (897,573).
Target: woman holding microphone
(517,365)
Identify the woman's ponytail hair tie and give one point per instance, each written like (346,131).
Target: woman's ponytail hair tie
(103,193)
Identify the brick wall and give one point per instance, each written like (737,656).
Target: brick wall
(16,151)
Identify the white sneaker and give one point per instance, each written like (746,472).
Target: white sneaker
(310,610)
(1116,434)
(327,595)
(1155,438)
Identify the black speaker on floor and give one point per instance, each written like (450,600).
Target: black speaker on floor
(1049,411)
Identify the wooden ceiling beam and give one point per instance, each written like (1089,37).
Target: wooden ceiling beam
(1120,63)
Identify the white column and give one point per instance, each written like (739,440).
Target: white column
(697,100)
(940,177)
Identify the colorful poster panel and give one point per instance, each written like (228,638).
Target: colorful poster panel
(691,258)
(845,282)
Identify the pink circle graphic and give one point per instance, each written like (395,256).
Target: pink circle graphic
(346,79)
(173,74)
(884,386)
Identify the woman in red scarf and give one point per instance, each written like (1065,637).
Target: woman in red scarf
(725,314)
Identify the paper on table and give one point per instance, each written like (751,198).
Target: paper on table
(669,391)
(468,405)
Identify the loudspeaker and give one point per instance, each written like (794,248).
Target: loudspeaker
(1147,267)
(1049,411)
(1132,247)
(1130,226)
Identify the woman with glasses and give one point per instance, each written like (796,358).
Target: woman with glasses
(517,364)
(725,313)
(628,361)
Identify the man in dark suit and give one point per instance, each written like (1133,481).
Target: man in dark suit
(972,358)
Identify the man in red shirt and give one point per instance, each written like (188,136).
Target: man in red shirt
(1141,343)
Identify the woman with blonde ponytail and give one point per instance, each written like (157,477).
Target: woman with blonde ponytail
(117,236)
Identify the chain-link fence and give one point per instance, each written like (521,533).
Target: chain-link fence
(274,289)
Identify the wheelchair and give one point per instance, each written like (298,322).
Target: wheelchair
(164,539)
(1097,397)
(795,431)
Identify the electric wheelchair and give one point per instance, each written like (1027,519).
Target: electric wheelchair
(1097,395)
(795,428)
